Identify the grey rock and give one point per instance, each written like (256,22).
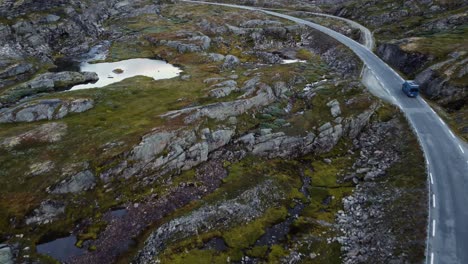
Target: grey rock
(185,77)
(79,182)
(247,206)
(52,18)
(16,69)
(407,62)
(213,80)
(194,43)
(205,41)
(250,86)
(41,168)
(182,151)
(216,57)
(230,62)
(80,105)
(260,23)
(47,82)
(267,57)
(49,132)
(221,111)
(325,127)
(152,145)
(47,109)
(47,212)
(334,108)
(223,89)
(6,255)
(280,89)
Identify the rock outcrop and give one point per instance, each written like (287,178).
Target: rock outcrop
(221,111)
(335,109)
(407,62)
(230,62)
(47,212)
(168,151)
(80,182)
(242,209)
(223,89)
(6,256)
(46,109)
(47,82)
(186,42)
(46,133)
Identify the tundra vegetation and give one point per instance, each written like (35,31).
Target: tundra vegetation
(240,158)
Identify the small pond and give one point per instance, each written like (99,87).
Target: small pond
(61,249)
(112,72)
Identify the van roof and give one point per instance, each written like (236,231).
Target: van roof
(411,82)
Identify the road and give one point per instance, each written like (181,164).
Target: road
(366,33)
(446,155)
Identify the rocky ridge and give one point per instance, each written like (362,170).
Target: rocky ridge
(45,109)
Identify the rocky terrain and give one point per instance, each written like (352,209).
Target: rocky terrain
(244,158)
(424,40)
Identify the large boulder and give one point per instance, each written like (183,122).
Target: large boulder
(230,62)
(335,109)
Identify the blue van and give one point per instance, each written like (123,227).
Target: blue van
(410,88)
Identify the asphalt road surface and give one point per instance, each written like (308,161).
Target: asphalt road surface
(446,155)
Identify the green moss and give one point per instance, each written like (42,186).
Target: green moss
(246,235)
(277,252)
(196,257)
(304,54)
(258,251)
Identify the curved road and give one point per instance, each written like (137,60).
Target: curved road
(368,39)
(446,155)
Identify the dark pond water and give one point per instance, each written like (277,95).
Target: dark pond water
(119,212)
(278,233)
(61,249)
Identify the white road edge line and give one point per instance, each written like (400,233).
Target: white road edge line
(427,162)
(432,180)
(433,228)
(451,134)
(440,119)
(460,147)
(432,257)
(433,201)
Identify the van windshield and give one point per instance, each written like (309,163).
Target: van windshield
(414,90)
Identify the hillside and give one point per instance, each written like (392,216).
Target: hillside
(263,146)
